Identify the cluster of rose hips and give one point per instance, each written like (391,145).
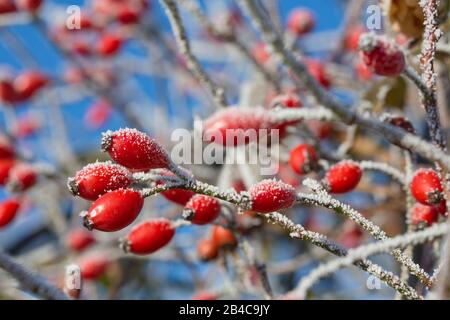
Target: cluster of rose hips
(102,30)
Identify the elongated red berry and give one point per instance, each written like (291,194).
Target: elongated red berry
(79,239)
(29,5)
(426,187)
(303,158)
(27,84)
(114,210)
(232,126)
(352,35)
(98,178)
(343,177)
(148,237)
(207,249)
(98,114)
(318,71)
(93,266)
(381,56)
(6,148)
(301,21)
(108,45)
(5,168)
(424,214)
(134,149)
(223,237)
(201,209)
(271,195)
(127,15)
(8,211)
(22,177)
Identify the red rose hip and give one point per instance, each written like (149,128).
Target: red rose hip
(22,177)
(271,195)
(426,187)
(301,21)
(8,211)
(201,209)
(114,210)
(223,237)
(79,239)
(424,214)
(303,158)
(381,56)
(148,237)
(343,177)
(98,178)
(134,149)
(207,249)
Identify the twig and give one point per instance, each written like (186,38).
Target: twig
(323,199)
(184,47)
(33,282)
(368,250)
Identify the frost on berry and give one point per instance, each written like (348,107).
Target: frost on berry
(237,126)
(381,56)
(424,214)
(134,149)
(271,195)
(201,209)
(97,178)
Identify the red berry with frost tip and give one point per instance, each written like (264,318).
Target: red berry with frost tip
(424,214)
(98,178)
(114,210)
(134,149)
(5,168)
(223,237)
(6,148)
(29,5)
(201,209)
(232,126)
(343,177)
(303,158)
(93,267)
(108,45)
(261,53)
(148,237)
(27,84)
(8,211)
(301,21)
(22,177)
(79,239)
(381,56)
(271,195)
(207,249)
(426,187)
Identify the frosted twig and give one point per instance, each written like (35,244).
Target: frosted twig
(184,47)
(345,112)
(384,168)
(365,251)
(298,231)
(33,282)
(431,36)
(230,37)
(286,115)
(323,199)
